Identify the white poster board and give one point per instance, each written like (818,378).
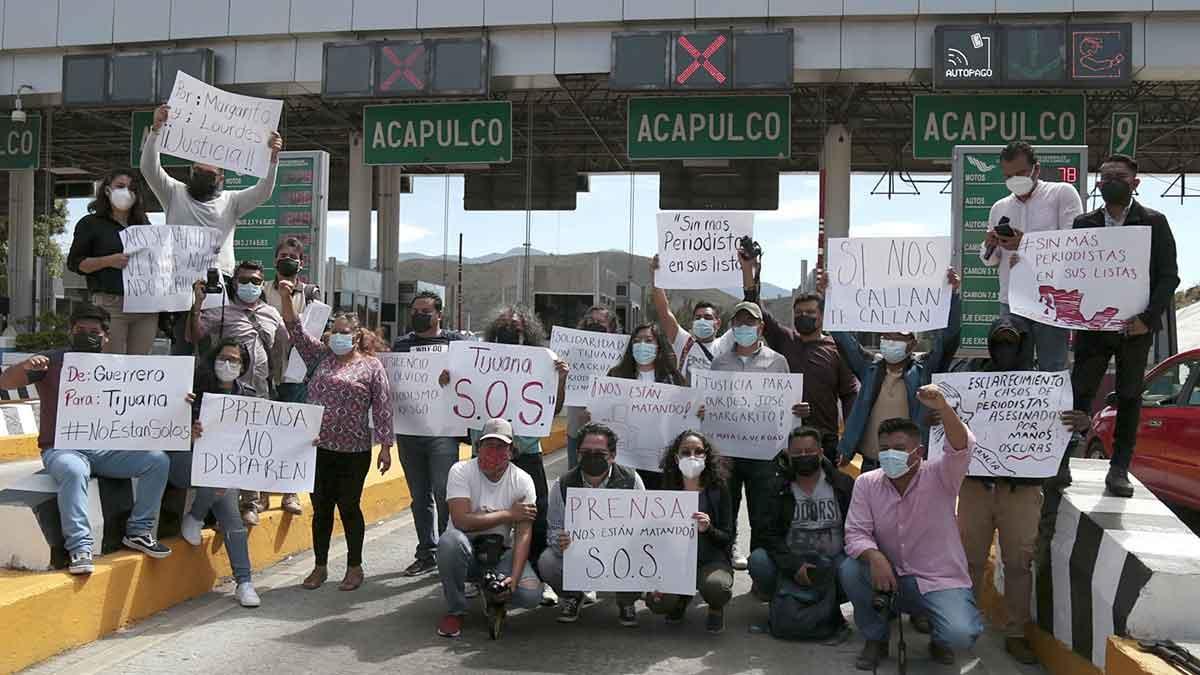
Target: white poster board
(115,402)
(630,540)
(515,382)
(1015,419)
(1086,279)
(420,406)
(886,284)
(165,261)
(645,416)
(590,353)
(217,127)
(252,443)
(313,319)
(748,414)
(698,249)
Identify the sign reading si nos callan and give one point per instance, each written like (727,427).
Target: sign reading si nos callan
(942,121)
(710,127)
(469,132)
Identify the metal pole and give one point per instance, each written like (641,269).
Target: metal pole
(526,277)
(629,275)
(446,231)
(459,289)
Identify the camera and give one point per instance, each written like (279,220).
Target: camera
(493,582)
(749,247)
(212,285)
(884,602)
(488,549)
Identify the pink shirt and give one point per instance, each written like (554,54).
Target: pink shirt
(918,532)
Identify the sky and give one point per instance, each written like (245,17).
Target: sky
(601,220)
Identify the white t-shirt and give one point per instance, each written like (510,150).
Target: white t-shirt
(1052,206)
(466,481)
(690,354)
(645,376)
(816,522)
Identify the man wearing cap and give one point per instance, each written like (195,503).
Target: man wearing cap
(749,355)
(487,495)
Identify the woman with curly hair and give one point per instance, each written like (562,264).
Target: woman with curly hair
(691,463)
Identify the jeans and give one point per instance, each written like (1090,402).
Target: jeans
(550,568)
(224,507)
(532,464)
(1050,341)
(1093,350)
(427,461)
(456,566)
(339,482)
(765,574)
(754,474)
(72,469)
(952,612)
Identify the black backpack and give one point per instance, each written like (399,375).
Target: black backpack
(805,612)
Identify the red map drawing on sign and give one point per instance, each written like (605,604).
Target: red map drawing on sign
(1065,307)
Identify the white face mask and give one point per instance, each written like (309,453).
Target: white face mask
(121,198)
(227,371)
(1019,185)
(893,351)
(691,467)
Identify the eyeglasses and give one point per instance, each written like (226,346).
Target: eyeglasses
(250,280)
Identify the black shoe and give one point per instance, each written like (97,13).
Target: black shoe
(872,653)
(418,568)
(147,544)
(715,622)
(570,609)
(921,624)
(1118,483)
(941,653)
(628,616)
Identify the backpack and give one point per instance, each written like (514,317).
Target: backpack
(804,612)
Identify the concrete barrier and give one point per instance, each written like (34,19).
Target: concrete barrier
(18,431)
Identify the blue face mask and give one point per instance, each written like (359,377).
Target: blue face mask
(745,336)
(248,293)
(644,353)
(893,462)
(703,328)
(893,351)
(341,343)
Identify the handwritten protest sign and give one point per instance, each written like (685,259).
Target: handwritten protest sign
(313,319)
(256,444)
(888,284)
(591,354)
(646,416)
(217,127)
(164,262)
(1014,417)
(699,249)
(515,382)
(1087,279)
(112,402)
(748,414)
(630,540)
(421,406)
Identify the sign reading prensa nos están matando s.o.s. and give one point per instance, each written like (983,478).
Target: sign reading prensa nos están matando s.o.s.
(470,132)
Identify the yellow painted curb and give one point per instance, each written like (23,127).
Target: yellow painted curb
(1057,657)
(1122,657)
(19,448)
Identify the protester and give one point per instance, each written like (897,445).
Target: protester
(802,533)
(597,469)
(811,353)
(348,381)
(902,538)
(691,463)
(98,253)
(217,373)
(73,468)
(598,319)
(1033,206)
(695,349)
(426,459)
(488,495)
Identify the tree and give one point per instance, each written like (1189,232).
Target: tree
(45,228)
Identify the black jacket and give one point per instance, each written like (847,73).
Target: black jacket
(772,534)
(1164,267)
(95,237)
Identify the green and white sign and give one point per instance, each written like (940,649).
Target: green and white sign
(20,143)
(140,122)
(470,132)
(710,127)
(942,121)
(1122,137)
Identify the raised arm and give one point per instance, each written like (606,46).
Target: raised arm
(946,341)
(152,172)
(245,201)
(662,306)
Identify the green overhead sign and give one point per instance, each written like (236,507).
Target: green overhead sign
(140,122)
(710,127)
(942,121)
(470,132)
(20,143)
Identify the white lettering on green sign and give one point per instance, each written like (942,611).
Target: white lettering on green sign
(977,127)
(689,127)
(445,133)
(17,143)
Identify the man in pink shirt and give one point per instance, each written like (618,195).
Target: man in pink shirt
(902,537)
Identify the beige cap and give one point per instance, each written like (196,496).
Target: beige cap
(497,427)
(750,307)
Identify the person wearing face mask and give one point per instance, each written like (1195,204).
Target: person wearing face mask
(350,383)
(902,537)
(697,348)
(598,319)
(691,463)
(1033,205)
(98,253)
(73,468)
(597,469)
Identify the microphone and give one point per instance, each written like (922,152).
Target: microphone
(987,253)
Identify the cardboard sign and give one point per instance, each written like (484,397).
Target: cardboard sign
(591,354)
(421,406)
(312,319)
(256,444)
(748,414)
(164,262)
(515,382)
(699,249)
(216,127)
(1014,417)
(114,402)
(886,284)
(646,416)
(630,540)
(1086,279)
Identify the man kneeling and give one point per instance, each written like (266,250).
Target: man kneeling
(488,495)
(597,468)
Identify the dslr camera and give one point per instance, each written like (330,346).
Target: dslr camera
(489,548)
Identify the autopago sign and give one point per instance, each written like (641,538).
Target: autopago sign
(942,121)
(471,132)
(710,127)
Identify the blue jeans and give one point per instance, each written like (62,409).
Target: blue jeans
(456,566)
(1050,341)
(72,469)
(952,612)
(224,507)
(427,461)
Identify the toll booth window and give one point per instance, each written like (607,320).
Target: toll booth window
(133,78)
(460,67)
(85,79)
(348,70)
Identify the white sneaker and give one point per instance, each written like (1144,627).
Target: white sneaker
(246,595)
(549,597)
(590,598)
(190,528)
(470,589)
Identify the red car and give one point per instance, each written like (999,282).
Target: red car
(1167,458)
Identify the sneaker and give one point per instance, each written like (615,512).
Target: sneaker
(291,504)
(740,562)
(872,653)
(81,562)
(628,616)
(471,589)
(590,598)
(419,567)
(921,623)
(549,597)
(940,653)
(715,622)
(249,515)
(190,528)
(450,626)
(570,610)
(146,543)
(1118,483)
(1019,649)
(246,595)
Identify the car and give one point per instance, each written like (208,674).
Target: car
(1167,455)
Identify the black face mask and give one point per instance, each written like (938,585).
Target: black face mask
(593,464)
(86,342)
(805,465)
(1116,192)
(507,334)
(421,322)
(287,267)
(202,186)
(805,325)
(1006,356)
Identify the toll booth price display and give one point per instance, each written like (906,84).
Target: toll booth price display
(289,212)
